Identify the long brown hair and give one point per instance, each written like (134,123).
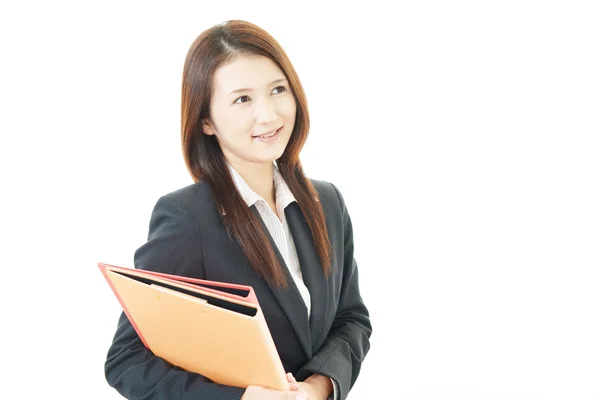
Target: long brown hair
(205,159)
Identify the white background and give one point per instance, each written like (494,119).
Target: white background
(464,137)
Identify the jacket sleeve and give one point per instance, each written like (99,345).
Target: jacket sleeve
(341,355)
(173,246)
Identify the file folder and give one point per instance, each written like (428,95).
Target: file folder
(215,329)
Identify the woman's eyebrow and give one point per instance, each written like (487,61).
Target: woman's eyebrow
(247,90)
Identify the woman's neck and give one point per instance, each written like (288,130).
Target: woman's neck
(259,177)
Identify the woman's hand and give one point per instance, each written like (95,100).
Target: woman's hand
(261,393)
(315,387)
(304,388)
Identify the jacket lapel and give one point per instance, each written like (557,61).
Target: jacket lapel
(290,298)
(312,270)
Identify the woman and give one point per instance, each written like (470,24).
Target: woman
(253,218)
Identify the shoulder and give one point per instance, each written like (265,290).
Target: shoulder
(193,199)
(329,195)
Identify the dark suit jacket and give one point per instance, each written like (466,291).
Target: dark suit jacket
(187,237)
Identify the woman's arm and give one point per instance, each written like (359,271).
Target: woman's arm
(341,355)
(173,246)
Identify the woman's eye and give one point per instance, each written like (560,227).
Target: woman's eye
(241,98)
(245,99)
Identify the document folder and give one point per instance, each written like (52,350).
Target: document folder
(215,329)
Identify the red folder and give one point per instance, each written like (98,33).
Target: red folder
(215,329)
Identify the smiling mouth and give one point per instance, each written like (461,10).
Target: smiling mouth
(269,134)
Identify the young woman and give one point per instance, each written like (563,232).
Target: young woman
(252,217)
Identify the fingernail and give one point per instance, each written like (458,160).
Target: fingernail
(300,397)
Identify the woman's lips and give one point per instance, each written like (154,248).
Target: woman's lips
(270,138)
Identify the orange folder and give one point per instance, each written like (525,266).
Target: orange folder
(215,329)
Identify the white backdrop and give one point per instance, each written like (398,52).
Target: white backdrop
(463,135)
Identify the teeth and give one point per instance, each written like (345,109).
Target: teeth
(266,136)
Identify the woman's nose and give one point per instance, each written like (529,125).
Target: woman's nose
(265,111)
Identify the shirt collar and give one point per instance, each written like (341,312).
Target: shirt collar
(283,194)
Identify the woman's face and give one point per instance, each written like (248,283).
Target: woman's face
(251,97)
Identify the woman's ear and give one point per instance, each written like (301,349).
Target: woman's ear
(207,127)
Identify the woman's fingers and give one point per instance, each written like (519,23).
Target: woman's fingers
(292,381)
(261,393)
(294,387)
